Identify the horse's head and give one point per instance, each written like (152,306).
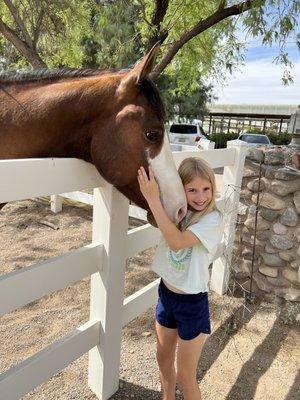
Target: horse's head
(132,135)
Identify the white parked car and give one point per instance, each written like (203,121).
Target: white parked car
(255,139)
(186,133)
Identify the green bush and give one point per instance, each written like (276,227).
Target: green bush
(280,138)
(221,138)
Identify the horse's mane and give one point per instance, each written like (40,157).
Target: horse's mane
(147,87)
(19,77)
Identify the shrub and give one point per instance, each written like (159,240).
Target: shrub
(221,138)
(280,138)
(275,138)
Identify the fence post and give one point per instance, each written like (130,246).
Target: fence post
(232,180)
(56,203)
(110,225)
(206,144)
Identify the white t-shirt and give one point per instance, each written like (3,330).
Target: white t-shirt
(187,269)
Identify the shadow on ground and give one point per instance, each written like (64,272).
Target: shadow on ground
(251,371)
(262,358)
(294,392)
(260,361)
(131,391)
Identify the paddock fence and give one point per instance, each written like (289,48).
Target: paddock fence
(103,260)
(136,212)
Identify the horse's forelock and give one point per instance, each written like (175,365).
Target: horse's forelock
(152,95)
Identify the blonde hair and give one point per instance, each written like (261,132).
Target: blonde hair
(189,169)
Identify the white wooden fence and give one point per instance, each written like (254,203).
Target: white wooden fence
(103,260)
(86,198)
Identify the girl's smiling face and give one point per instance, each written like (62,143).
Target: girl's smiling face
(198,193)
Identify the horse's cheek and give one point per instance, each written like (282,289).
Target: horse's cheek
(108,163)
(118,151)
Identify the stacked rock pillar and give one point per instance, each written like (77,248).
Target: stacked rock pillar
(277,234)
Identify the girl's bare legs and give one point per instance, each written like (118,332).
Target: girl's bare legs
(188,355)
(166,350)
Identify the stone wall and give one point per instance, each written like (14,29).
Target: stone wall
(276,266)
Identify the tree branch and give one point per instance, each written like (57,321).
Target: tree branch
(222,5)
(14,12)
(37,30)
(31,56)
(201,26)
(161,7)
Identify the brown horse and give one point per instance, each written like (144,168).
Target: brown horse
(114,120)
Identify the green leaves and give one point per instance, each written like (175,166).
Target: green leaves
(55,28)
(275,22)
(114,34)
(189,104)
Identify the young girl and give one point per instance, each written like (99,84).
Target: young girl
(182,260)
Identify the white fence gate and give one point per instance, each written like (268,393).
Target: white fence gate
(103,260)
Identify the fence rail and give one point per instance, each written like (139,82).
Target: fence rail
(216,158)
(28,178)
(20,380)
(103,260)
(51,275)
(141,238)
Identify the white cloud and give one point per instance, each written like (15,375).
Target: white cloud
(259,82)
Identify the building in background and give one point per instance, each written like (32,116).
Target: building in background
(240,118)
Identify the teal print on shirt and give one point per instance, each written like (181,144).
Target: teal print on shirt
(180,260)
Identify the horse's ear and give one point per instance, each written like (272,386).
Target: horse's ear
(141,69)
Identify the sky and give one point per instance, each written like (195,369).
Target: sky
(259,80)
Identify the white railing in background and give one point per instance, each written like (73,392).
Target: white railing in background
(206,144)
(86,198)
(103,260)
(182,147)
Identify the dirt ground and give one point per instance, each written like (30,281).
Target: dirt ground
(253,352)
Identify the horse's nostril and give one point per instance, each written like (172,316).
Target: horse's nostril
(181,213)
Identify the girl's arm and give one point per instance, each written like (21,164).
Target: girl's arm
(175,239)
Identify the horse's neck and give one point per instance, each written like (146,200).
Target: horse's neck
(50,121)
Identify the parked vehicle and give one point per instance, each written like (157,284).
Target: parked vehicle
(255,139)
(186,133)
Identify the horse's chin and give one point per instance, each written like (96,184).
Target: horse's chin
(151,220)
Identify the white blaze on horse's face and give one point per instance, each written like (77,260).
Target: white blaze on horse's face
(171,189)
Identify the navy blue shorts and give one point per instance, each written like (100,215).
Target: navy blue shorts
(188,313)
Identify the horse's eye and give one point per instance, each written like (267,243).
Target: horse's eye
(153,136)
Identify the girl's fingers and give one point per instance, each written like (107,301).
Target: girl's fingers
(151,173)
(141,182)
(142,174)
(143,177)
(140,171)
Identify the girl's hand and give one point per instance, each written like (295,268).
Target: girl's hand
(148,186)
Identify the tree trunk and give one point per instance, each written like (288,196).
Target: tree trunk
(28,53)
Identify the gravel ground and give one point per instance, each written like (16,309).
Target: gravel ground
(251,354)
